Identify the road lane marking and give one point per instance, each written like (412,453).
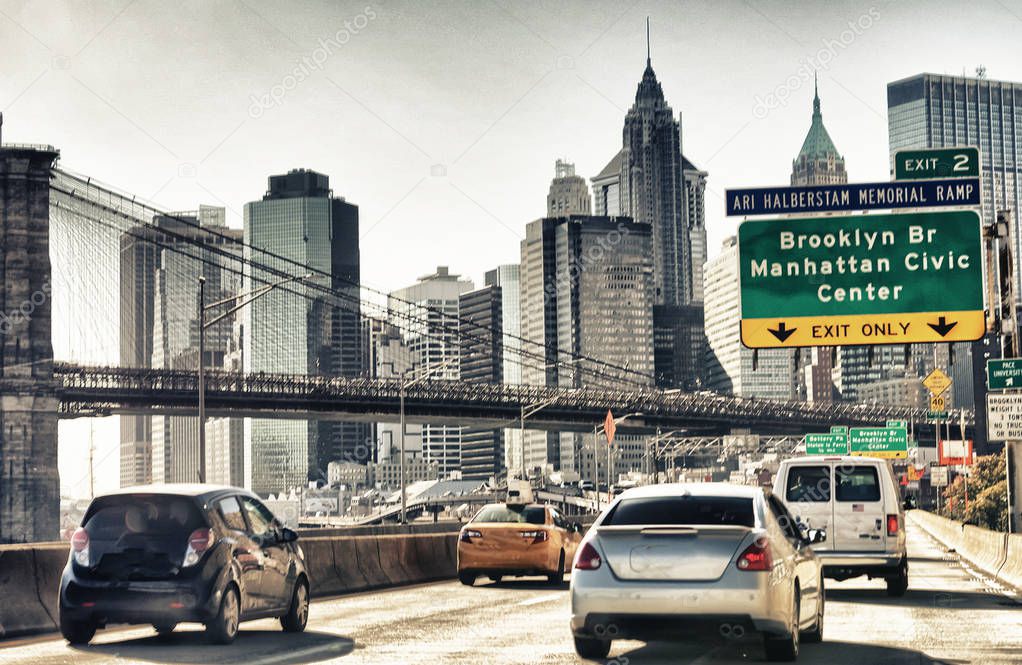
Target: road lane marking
(540,599)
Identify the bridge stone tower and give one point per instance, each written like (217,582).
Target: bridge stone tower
(29,483)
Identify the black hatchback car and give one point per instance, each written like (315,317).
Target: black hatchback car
(166,554)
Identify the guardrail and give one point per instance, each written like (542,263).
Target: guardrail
(30,574)
(995,553)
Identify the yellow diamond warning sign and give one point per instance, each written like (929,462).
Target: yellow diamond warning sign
(937,382)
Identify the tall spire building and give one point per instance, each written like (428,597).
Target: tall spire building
(817,163)
(651,181)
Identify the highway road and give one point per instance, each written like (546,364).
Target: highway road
(948,616)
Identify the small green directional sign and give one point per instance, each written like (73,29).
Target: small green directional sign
(1004,374)
(827,444)
(936,163)
(885,442)
(839,429)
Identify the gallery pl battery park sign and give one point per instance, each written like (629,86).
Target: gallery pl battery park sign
(873,279)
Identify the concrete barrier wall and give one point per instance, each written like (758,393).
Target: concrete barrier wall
(30,574)
(997,554)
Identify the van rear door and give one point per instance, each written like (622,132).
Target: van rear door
(859,519)
(807,495)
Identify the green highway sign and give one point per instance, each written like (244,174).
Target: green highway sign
(897,424)
(884,442)
(934,163)
(936,415)
(1004,373)
(826,444)
(876,279)
(839,429)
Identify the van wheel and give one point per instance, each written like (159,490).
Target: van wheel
(557,577)
(589,647)
(466,578)
(77,632)
(223,628)
(785,648)
(898,585)
(298,614)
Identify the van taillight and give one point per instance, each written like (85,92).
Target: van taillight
(587,558)
(200,541)
(756,557)
(80,546)
(892,525)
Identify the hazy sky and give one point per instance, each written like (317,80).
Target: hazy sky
(442,120)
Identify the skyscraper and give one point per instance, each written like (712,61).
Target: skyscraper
(730,367)
(427,315)
(508,278)
(481,361)
(175,339)
(158,328)
(651,181)
(818,163)
(299,329)
(587,290)
(936,111)
(569,194)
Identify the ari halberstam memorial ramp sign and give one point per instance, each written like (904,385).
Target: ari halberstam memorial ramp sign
(863,279)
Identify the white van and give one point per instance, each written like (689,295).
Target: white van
(857,501)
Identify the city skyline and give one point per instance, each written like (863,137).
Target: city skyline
(190,150)
(730,116)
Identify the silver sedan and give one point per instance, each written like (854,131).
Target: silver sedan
(691,561)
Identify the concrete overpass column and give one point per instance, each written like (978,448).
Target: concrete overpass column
(29,482)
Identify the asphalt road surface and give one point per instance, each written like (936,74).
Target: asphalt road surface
(949,615)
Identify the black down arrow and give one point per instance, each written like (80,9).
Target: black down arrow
(783,332)
(942,327)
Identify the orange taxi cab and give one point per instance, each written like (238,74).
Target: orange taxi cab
(505,540)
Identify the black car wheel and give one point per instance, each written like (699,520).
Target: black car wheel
(223,628)
(298,614)
(164,629)
(466,578)
(77,632)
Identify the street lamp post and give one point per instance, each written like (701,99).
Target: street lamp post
(203,325)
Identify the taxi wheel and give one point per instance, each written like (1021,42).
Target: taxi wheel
(466,578)
(557,577)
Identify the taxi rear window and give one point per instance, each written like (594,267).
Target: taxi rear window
(512,514)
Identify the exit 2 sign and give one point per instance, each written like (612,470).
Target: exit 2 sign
(936,163)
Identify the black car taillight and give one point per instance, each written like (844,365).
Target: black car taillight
(80,546)
(199,541)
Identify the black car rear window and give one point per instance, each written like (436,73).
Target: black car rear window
(512,514)
(143,514)
(808,484)
(683,510)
